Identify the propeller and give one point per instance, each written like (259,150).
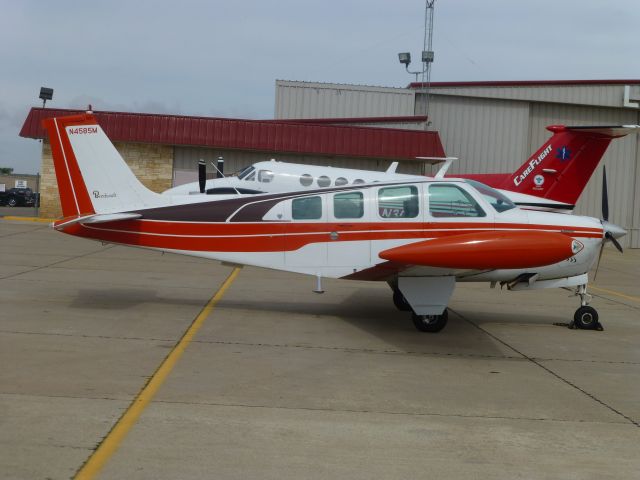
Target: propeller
(202,174)
(611,232)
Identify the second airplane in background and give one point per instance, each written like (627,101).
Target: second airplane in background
(551,179)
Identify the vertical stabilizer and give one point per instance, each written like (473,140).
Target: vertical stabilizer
(92,176)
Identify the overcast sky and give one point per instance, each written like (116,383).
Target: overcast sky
(221,58)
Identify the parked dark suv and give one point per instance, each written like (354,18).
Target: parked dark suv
(18,197)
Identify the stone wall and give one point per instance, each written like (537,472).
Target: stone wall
(152,164)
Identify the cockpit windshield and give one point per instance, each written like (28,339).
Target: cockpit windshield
(497,200)
(245,171)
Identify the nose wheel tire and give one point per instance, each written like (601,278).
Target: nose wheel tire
(430,323)
(400,302)
(586,318)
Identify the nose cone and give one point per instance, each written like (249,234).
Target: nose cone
(614,230)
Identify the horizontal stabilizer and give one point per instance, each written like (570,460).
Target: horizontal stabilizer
(613,131)
(99,218)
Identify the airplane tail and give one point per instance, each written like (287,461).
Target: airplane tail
(560,169)
(92,176)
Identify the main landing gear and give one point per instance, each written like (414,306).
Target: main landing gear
(586,317)
(423,323)
(430,323)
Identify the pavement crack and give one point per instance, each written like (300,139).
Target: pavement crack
(56,263)
(379,412)
(376,351)
(29,231)
(105,337)
(550,371)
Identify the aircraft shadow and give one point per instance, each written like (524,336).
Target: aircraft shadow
(125,298)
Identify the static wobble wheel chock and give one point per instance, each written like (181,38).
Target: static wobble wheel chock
(586,318)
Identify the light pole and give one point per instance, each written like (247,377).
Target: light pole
(45,94)
(427,56)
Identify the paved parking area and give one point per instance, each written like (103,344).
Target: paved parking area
(283,383)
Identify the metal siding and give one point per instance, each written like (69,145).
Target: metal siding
(320,100)
(297,138)
(593,95)
(488,136)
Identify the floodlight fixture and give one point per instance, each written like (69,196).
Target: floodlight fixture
(427,56)
(45,94)
(405,58)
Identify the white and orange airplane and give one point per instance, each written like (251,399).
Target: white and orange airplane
(420,236)
(552,179)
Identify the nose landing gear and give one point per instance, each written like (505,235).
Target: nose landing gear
(586,317)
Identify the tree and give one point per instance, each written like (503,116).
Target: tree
(6,170)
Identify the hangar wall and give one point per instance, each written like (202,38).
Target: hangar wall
(332,100)
(495,127)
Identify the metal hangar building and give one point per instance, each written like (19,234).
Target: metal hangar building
(493,127)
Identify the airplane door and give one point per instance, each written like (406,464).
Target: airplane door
(306,236)
(349,248)
(397,213)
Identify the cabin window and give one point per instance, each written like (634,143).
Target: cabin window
(348,205)
(498,201)
(398,202)
(306,208)
(306,180)
(452,201)
(251,177)
(358,181)
(324,181)
(341,181)
(245,172)
(265,176)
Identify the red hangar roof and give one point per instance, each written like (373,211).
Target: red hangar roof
(280,136)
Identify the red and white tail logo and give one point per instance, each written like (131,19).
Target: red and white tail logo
(560,169)
(92,176)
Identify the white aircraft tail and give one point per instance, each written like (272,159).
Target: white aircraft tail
(92,176)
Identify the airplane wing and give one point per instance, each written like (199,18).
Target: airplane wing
(487,250)
(470,253)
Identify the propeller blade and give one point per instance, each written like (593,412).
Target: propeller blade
(595,275)
(202,174)
(605,195)
(615,242)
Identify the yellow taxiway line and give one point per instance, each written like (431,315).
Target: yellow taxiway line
(119,431)
(617,294)
(29,219)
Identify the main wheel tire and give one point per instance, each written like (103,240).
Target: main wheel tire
(430,323)
(586,318)
(12,202)
(400,302)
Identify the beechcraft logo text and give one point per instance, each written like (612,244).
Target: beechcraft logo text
(97,194)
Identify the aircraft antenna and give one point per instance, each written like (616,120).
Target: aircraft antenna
(221,173)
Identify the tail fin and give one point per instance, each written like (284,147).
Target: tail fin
(560,169)
(92,176)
